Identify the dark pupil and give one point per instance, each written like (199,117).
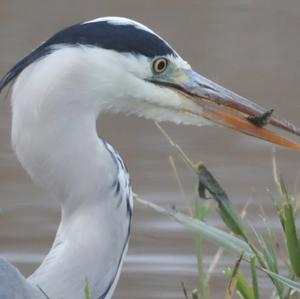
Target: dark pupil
(161,65)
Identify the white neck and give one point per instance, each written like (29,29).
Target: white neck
(58,145)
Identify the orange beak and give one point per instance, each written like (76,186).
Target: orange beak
(226,108)
(246,126)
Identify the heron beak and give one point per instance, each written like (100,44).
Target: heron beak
(231,110)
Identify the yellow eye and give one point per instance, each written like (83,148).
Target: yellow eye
(160,65)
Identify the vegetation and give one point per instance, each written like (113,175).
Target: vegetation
(260,250)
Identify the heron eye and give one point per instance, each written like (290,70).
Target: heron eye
(160,65)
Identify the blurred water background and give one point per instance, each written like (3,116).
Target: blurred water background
(249,46)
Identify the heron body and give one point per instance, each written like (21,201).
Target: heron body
(108,64)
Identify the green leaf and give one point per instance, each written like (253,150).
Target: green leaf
(268,254)
(290,230)
(201,213)
(231,217)
(220,238)
(195,294)
(254,278)
(202,209)
(87,291)
(226,210)
(284,280)
(210,233)
(242,285)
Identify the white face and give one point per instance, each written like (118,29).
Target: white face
(167,89)
(105,80)
(128,83)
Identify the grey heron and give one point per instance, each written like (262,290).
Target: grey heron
(58,91)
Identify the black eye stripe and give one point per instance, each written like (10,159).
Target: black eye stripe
(103,34)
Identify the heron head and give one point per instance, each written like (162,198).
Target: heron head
(126,67)
(156,83)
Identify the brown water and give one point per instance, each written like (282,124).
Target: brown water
(251,47)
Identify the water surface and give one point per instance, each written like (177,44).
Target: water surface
(251,47)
